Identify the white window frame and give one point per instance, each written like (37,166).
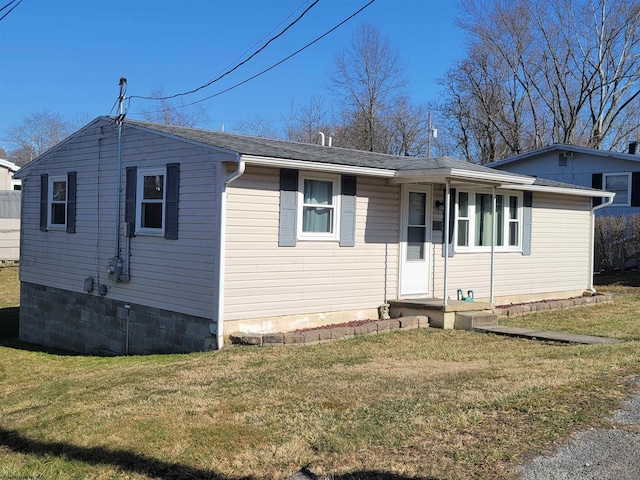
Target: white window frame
(51,202)
(506,220)
(334,235)
(618,174)
(150,172)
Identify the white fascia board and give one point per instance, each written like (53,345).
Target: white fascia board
(408,176)
(317,166)
(564,191)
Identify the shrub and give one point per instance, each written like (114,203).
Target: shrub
(617,242)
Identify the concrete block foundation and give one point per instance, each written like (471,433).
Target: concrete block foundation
(96,325)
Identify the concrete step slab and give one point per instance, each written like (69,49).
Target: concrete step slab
(470,320)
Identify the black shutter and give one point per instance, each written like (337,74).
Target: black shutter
(635,189)
(596,182)
(44,201)
(452,222)
(348,211)
(130,195)
(71,202)
(288,228)
(171,202)
(527,203)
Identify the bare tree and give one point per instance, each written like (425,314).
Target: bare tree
(368,79)
(306,121)
(175,112)
(408,129)
(545,71)
(37,133)
(256,125)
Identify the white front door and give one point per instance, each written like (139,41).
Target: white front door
(415,240)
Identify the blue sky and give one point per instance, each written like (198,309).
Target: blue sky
(67,56)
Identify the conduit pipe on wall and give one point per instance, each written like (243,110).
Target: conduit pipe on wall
(592,260)
(222,221)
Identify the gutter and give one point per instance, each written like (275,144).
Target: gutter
(318,166)
(592,261)
(218,313)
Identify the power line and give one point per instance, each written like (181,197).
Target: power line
(238,65)
(275,64)
(11,10)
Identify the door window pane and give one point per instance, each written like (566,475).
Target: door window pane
(415,243)
(417,208)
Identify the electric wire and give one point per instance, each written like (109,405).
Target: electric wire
(12,1)
(272,66)
(258,42)
(238,65)
(10,10)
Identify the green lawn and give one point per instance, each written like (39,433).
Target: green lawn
(406,405)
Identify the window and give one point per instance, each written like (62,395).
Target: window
(152,198)
(474,221)
(618,183)
(151,204)
(318,212)
(57,202)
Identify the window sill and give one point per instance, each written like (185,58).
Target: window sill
(487,250)
(318,239)
(149,233)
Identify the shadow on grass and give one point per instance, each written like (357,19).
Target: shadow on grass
(623,279)
(9,321)
(150,467)
(127,461)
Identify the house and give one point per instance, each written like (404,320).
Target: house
(141,238)
(615,172)
(9,210)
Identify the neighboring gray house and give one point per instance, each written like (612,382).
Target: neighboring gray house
(614,172)
(156,238)
(9,211)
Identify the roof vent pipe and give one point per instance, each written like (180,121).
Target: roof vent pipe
(330,140)
(321,138)
(633,147)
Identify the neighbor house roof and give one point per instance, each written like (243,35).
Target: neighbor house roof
(10,165)
(563,147)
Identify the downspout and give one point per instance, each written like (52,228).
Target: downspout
(447,202)
(493,243)
(222,218)
(592,260)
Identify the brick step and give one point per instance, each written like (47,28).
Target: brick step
(477,318)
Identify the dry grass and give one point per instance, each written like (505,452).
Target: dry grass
(9,287)
(416,404)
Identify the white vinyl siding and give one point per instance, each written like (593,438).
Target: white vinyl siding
(264,280)
(177,275)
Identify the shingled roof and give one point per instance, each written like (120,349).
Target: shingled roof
(268,147)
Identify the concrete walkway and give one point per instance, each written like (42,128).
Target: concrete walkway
(546,335)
